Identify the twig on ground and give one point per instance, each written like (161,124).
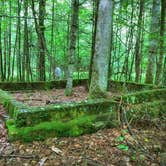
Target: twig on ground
(29,99)
(20,156)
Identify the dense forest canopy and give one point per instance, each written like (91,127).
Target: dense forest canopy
(35,38)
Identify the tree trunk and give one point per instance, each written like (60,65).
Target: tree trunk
(1,63)
(164,72)
(99,78)
(39,26)
(138,42)
(9,43)
(5,55)
(95,15)
(73,31)
(52,68)
(162,29)
(26,41)
(18,36)
(153,42)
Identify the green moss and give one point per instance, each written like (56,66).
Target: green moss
(13,86)
(75,131)
(97,93)
(63,112)
(121,86)
(10,122)
(145,96)
(68,92)
(48,129)
(113,85)
(75,127)
(5,97)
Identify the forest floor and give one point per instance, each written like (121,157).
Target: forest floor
(107,147)
(41,97)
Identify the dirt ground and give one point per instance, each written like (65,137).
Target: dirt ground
(107,147)
(40,97)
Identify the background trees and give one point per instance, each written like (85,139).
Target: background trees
(35,38)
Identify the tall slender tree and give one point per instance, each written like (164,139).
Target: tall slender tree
(162,30)
(164,72)
(9,42)
(26,42)
(53,49)
(40,29)
(18,42)
(72,47)
(138,41)
(95,15)
(153,42)
(1,60)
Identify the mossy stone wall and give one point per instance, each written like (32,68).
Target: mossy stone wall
(114,86)
(63,112)
(14,86)
(145,96)
(74,119)
(127,87)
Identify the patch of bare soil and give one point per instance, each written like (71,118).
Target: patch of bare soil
(44,97)
(41,97)
(108,147)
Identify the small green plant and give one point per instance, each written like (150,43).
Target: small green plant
(123,147)
(120,138)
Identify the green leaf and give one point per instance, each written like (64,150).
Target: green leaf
(120,138)
(123,147)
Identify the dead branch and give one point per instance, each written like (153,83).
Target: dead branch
(27,99)
(20,156)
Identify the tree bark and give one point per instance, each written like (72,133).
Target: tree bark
(162,30)
(153,42)
(39,26)
(18,44)
(26,42)
(72,47)
(1,63)
(164,72)
(9,44)
(138,42)
(99,78)
(52,67)
(95,15)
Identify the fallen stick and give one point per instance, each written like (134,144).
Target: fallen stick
(29,99)
(20,156)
